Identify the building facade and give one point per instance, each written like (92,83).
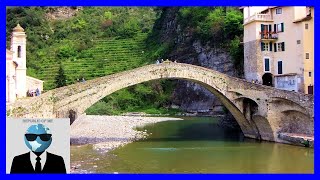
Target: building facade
(279,47)
(18,84)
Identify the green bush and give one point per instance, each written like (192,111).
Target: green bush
(66,52)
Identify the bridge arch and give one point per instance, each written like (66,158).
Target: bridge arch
(94,91)
(264,117)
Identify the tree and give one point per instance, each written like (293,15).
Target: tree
(61,78)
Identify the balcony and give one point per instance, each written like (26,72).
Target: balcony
(268,36)
(258,17)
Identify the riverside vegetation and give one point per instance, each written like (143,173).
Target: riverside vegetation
(66,44)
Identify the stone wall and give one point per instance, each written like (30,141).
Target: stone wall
(250,60)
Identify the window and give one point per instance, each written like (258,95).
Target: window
(310,74)
(19,51)
(264,46)
(265,31)
(280,46)
(298,42)
(279,67)
(266,65)
(280,27)
(310,89)
(307,55)
(306,26)
(279,11)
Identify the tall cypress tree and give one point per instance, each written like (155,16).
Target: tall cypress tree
(61,78)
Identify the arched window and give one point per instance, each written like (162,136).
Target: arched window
(19,51)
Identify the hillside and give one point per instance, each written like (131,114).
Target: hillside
(106,57)
(89,42)
(71,43)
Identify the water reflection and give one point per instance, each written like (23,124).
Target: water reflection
(197,145)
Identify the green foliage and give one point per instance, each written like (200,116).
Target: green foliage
(159,51)
(150,97)
(78,25)
(217,24)
(191,16)
(213,25)
(60,79)
(233,24)
(129,28)
(108,15)
(66,51)
(236,52)
(102,108)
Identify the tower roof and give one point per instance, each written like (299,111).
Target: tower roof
(18,28)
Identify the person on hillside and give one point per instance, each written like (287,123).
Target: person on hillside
(157,62)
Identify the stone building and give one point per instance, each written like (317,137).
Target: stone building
(279,46)
(17,81)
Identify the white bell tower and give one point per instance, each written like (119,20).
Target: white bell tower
(18,47)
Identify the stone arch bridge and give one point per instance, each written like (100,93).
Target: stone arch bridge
(262,112)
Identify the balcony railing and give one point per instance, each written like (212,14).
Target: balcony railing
(258,17)
(268,35)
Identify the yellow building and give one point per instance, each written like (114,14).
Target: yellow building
(17,81)
(279,46)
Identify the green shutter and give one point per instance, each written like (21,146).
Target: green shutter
(270,28)
(262,29)
(270,46)
(283,46)
(262,44)
(282,27)
(275,47)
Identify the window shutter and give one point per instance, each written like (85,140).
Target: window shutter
(266,65)
(283,46)
(275,47)
(282,27)
(275,28)
(279,67)
(269,28)
(262,28)
(262,44)
(270,46)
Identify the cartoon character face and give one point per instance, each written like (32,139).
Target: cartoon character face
(38,138)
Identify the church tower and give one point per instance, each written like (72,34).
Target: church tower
(18,47)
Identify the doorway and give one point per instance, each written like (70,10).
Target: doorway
(310,89)
(267,79)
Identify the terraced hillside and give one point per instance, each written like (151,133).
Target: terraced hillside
(105,57)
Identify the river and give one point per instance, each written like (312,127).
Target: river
(195,145)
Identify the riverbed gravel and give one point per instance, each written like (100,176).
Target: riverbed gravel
(109,132)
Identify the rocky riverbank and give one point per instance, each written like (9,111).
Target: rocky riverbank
(109,132)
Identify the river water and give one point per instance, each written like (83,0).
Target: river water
(195,145)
